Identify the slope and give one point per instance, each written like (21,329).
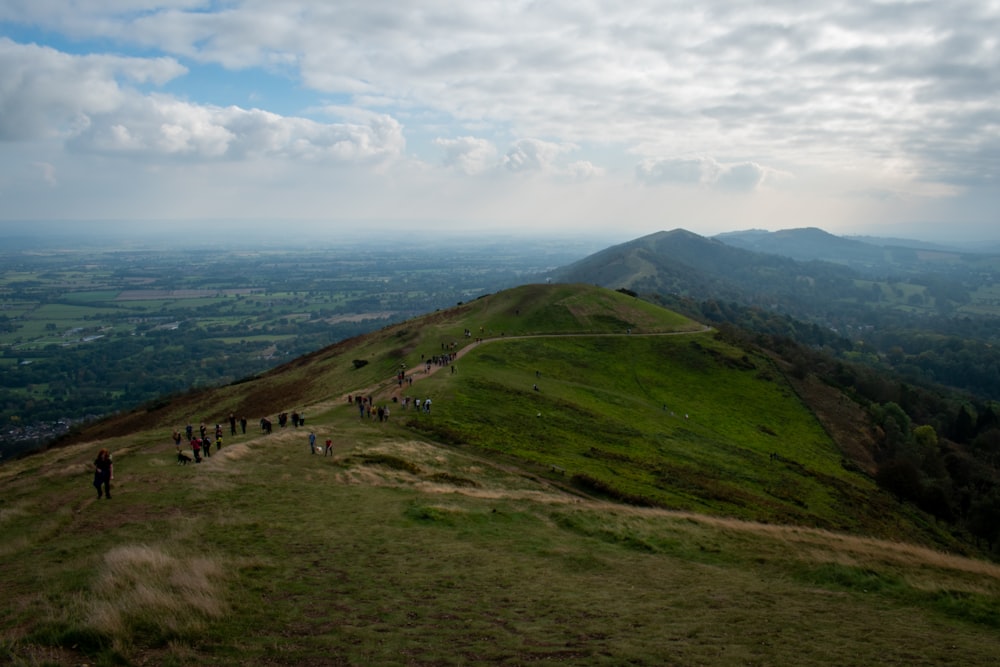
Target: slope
(684,263)
(625,399)
(481,533)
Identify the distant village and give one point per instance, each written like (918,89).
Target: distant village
(17,440)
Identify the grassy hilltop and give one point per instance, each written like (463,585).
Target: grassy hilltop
(662,498)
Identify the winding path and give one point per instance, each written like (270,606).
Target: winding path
(424,370)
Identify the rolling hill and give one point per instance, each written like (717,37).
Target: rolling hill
(687,264)
(599,481)
(809,244)
(871,257)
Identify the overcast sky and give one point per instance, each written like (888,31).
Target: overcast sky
(589,115)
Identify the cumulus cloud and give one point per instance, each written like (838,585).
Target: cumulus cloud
(533,155)
(686,171)
(48,94)
(44,92)
(469,155)
(827,85)
(157,125)
(583,170)
(745,176)
(703,171)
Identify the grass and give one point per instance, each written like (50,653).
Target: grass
(483,534)
(680,421)
(266,554)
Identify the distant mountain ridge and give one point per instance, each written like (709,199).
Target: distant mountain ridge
(795,270)
(808,244)
(687,264)
(872,256)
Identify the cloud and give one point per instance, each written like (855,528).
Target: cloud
(163,126)
(821,85)
(706,172)
(48,94)
(583,170)
(744,177)
(533,155)
(44,92)
(896,96)
(685,171)
(469,155)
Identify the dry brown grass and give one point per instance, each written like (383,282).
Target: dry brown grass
(143,583)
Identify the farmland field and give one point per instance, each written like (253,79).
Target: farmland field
(100,329)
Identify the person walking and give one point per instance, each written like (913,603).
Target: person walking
(312,442)
(103,473)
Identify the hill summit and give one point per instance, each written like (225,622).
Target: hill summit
(588,478)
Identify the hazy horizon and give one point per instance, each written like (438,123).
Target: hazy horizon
(290,234)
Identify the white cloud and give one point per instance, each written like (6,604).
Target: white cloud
(162,126)
(469,155)
(584,170)
(151,126)
(896,96)
(688,171)
(704,171)
(44,92)
(745,176)
(533,155)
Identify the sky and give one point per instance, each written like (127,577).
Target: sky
(564,116)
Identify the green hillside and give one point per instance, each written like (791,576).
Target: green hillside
(661,498)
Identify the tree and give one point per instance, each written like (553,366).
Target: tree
(987,445)
(984,518)
(901,478)
(963,428)
(926,438)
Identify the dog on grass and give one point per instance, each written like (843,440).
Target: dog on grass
(183,459)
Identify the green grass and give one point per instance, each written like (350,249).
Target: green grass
(402,552)
(610,530)
(676,421)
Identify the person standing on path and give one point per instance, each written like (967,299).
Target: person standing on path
(103,473)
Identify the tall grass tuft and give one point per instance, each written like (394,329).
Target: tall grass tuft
(144,592)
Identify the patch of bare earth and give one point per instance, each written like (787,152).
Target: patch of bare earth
(844,420)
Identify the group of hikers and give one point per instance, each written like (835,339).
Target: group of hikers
(367,408)
(200,442)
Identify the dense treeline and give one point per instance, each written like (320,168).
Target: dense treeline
(937,447)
